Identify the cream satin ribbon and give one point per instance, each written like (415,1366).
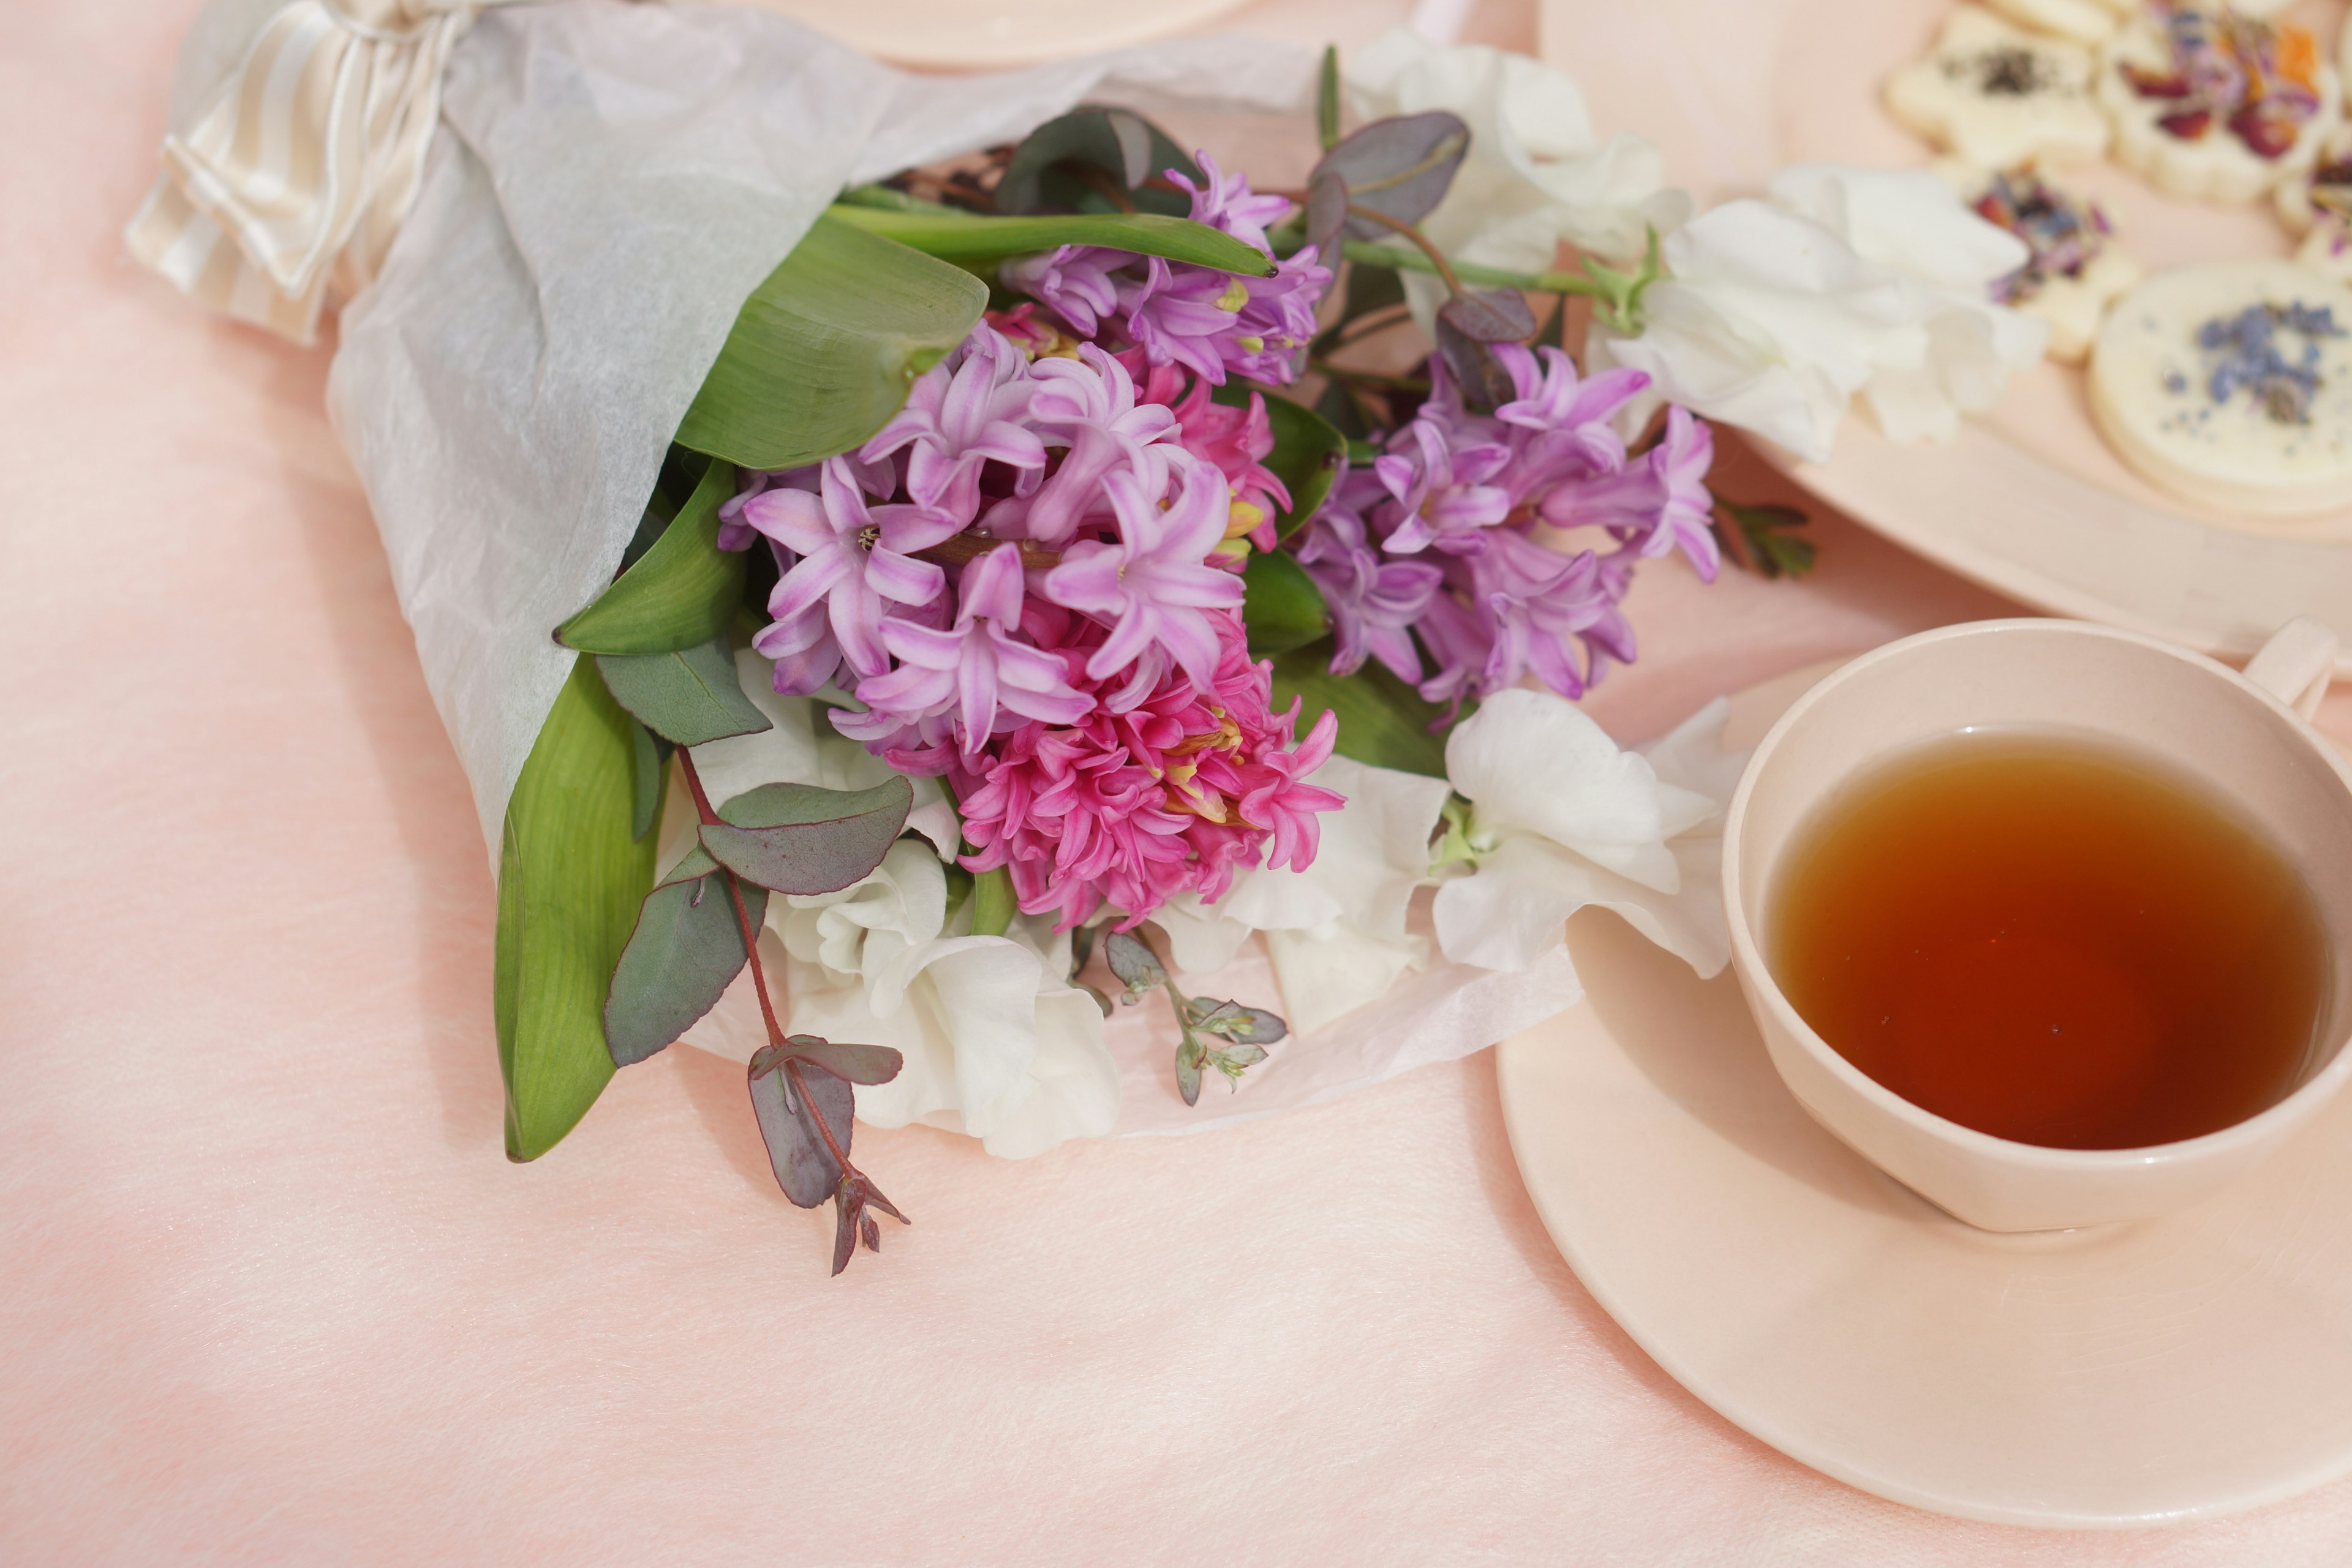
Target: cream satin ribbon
(292,181)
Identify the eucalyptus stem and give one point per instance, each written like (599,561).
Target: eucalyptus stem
(1372,254)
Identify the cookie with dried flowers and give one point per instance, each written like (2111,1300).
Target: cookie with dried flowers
(2322,194)
(2213,105)
(1998,95)
(2073,269)
(2085,21)
(2230,384)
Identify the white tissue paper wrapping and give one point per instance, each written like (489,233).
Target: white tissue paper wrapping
(609,182)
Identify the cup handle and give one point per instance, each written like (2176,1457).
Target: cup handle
(2297,664)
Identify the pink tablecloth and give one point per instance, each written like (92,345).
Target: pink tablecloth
(272,1293)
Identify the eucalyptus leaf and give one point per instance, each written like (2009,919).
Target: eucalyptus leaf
(1484,383)
(1281,606)
(1327,212)
(961,237)
(857,1064)
(804,1167)
(1119,142)
(1383,721)
(799,839)
(686,951)
(689,698)
(1191,1057)
(1233,1061)
(1232,1021)
(1138,968)
(570,876)
(823,351)
(1309,454)
(683,591)
(1490,316)
(649,780)
(1401,166)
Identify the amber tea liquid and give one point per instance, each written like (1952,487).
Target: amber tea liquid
(2052,941)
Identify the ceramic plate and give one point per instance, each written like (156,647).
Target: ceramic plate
(2029,501)
(2129,1375)
(974,35)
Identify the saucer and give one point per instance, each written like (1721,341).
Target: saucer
(2131,1374)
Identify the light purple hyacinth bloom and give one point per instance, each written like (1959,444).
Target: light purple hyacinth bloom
(1212,323)
(1374,598)
(1087,407)
(976,669)
(852,561)
(1467,491)
(1152,586)
(970,409)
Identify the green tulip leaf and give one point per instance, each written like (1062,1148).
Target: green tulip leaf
(1281,606)
(1383,721)
(684,590)
(570,876)
(823,351)
(957,237)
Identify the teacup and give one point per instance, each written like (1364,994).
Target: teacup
(2240,735)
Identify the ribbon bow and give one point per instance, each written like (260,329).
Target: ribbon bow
(292,181)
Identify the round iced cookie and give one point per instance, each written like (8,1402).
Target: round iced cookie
(2327,249)
(1998,95)
(2085,21)
(2074,266)
(2213,105)
(2229,384)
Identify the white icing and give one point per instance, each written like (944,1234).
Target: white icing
(2215,166)
(2150,392)
(1943,96)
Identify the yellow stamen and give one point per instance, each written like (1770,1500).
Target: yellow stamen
(1235,296)
(1243,520)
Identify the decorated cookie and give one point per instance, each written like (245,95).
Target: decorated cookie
(2074,268)
(2085,21)
(1998,95)
(2229,384)
(2212,104)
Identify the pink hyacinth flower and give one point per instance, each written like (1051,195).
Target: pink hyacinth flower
(956,419)
(978,666)
(1088,406)
(831,532)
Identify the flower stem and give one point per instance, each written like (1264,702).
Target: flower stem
(964,548)
(1377,255)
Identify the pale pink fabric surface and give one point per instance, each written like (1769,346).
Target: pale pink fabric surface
(272,1293)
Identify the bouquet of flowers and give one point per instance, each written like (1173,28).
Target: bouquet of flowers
(1041,596)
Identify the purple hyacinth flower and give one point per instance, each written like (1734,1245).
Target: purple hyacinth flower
(974,668)
(1560,420)
(1151,586)
(1375,599)
(1443,488)
(1225,202)
(1655,505)
(853,558)
(1075,282)
(962,412)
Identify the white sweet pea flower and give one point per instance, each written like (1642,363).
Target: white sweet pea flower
(1561,818)
(1335,933)
(1776,313)
(1537,174)
(801,749)
(997,1043)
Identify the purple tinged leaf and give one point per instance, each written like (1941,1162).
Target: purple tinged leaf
(1402,166)
(1134,963)
(804,1167)
(686,949)
(859,1064)
(1485,384)
(869,1232)
(845,1230)
(798,838)
(1327,211)
(1490,316)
